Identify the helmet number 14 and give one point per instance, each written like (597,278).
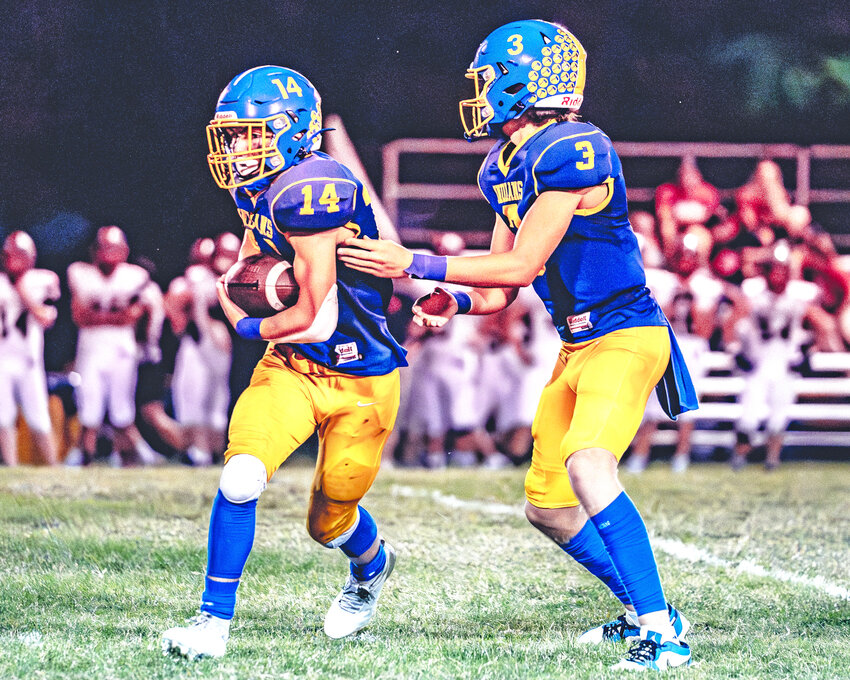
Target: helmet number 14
(291,86)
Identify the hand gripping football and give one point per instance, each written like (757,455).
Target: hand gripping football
(261,285)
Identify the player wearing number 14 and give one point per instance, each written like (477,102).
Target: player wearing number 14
(331,364)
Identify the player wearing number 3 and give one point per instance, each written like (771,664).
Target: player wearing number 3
(331,364)
(556,186)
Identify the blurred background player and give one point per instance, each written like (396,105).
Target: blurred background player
(771,339)
(684,206)
(521,346)
(200,385)
(440,408)
(27,299)
(152,424)
(690,296)
(331,365)
(557,189)
(106,305)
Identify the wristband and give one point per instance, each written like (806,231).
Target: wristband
(249,328)
(464,302)
(432,267)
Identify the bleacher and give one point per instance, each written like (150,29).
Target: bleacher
(421,176)
(820,417)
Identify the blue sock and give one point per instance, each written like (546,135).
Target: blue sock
(363,535)
(624,534)
(230,540)
(361,539)
(364,572)
(587,548)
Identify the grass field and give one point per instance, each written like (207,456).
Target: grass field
(96,563)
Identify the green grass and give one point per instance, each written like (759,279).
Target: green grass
(97,563)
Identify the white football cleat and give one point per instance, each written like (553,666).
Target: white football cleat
(205,635)
(198,457)
(637,464)
(148,456)
(627,627)
(497,461)
(356,605)
(655,651)
(75,457)
(680,462)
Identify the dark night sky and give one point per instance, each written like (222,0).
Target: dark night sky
(104,104)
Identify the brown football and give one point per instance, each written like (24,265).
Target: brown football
(261,285)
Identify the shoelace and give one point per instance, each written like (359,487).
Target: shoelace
(354,596)
(199,620)
(643,651)
(615,628)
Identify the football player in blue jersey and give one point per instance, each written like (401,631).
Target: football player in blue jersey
(556,186)
(331,364)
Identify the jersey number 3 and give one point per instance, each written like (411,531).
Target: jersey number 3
(587,153)
(329,199)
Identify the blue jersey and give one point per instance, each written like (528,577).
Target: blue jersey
(593,283)
(316,194)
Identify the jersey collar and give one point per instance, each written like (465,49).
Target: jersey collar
(509,150)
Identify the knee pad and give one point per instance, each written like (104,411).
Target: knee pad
(329,520)
(347,480)
(243,478)
(333,504)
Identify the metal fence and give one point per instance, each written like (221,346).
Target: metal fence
(817,176)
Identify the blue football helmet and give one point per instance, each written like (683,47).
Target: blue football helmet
(276,112)
(523,64)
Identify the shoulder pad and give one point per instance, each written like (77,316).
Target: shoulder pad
(198,273)
(178,286)
(315,195)
(567,159)
(78,273)
(134,274)
(43,282)
(803,291)
(753,287)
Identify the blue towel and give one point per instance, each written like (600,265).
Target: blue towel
(676,390)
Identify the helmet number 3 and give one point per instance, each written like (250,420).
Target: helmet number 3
(291,86)
(516,39)
(587,153)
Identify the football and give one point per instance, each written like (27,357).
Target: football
(262,285)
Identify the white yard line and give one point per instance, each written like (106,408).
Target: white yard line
(670,546)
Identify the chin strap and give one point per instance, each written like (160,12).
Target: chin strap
(308,143)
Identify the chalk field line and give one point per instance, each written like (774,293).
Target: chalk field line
(670,546)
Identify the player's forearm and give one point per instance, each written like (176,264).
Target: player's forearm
(491,300)
(293,320)
(45,315)
(495,270)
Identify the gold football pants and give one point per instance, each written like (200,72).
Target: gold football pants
(288,399)
(595,398)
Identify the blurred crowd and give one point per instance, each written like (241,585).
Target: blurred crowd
(156,371)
